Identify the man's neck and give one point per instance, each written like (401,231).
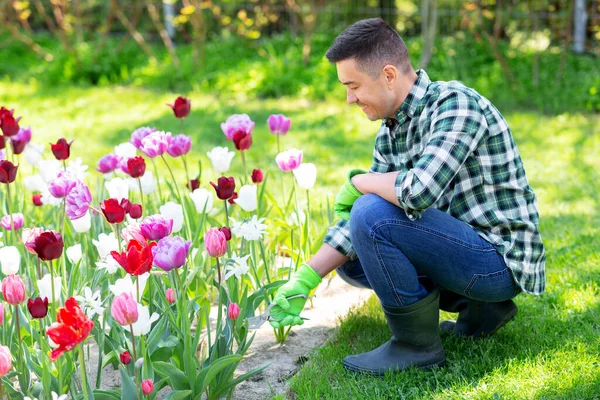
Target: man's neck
(408,81)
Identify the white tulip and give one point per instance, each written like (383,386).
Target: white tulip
(46,290)
(74,253)
(117,188)
(126,285)
(306,175)
(35,183)
(49,169)
(110,264)
(148,183)
(144,323)
(33,153)
(83,224)
(173,211)
(247,197)
(125,151)
(201,198)
(10,259)
(221,157)
(78,168)
(105,244)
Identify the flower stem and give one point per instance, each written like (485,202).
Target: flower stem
(157,183)
(137,379)
(187,174)
(141,193)
(39,268)
(245,170)
(219,273)
(83,373)
(137,286)
(12,224)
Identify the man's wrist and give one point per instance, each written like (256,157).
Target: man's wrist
(359,182)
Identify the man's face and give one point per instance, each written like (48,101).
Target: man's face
(373,96)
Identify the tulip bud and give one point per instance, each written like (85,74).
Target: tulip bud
(13,290)
(1,313)
(62,149)
(233,311)
(170,296)
(125,357)
(135,211)
(147,386)
(37,200)
(37,307)
(227,232)
(257,176)
(112,210)
(5,360)
(124,309)
(181,107)
(278,124)
(136,167)
(224,187)
(193,184)
(215,242)
(242,140)
(8,171)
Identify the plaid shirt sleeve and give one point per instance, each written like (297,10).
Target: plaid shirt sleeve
(338,237)
(457,126)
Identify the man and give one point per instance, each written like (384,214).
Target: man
(445,218)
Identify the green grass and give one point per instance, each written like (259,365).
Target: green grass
(552,349)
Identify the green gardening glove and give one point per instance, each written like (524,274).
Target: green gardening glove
(347,196)
(287,312)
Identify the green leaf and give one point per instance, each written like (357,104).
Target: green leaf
(128,389)
(209,373)
(237,381)
(105,395)
(177,378)
(179,395)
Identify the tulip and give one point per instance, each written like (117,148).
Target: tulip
(108,163)
(247,198)
(170,296)
(156,143)
(62,184)
(28,237)
(112,210)
(78,200)
(237,123)
(5,360)
(227,232)
(135,211)
(136,259)
(117,188)
(13,290)
(124,309)
(74,253)
(33,153)
(139,134)
(193,184)
(37,200)
(133,232)
(72,328)
(306,175)
(180,145)
(24,135)
(203,200)
(257,176)
(48,245)
(289,160)
(231,200)
(170,253)
(18,146)
(105,244)
(220,157)
(278,124)
(242,140)
(136,167)
(1,313)
(156,227)
(8,123)
(215,242)
(8,171)
(9,222)
(83,224)
(45,288)
(10,259)
(37,307)
(174,212)
(2,146)
(147,384)
(144,322)
(181,107)
(233,311)
(225,187)
(62,149)
(125,357)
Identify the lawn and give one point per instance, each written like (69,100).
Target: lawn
(552,348)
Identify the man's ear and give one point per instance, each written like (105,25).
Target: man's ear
(390,74)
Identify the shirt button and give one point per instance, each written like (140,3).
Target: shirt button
(411,217)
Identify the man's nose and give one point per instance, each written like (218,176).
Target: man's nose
(350,97)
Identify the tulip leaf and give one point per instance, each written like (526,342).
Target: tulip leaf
(179,395)
(232,384)
(128,389)
(208,374)
(105,395)
(176,377)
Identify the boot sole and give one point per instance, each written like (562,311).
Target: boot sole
(359,370)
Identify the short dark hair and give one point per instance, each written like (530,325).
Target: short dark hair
(373,44)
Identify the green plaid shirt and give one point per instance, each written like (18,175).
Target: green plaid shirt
(455,152)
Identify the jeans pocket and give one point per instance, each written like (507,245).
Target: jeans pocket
(492,287)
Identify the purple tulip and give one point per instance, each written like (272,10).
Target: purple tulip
(24,135)
(108,163)
(156,143)
(180,145)
(237,123)
(62,184)
(171,252)
(17,222)
(139,134)
(289,160)
(279,124)
(78,201)
(156,227)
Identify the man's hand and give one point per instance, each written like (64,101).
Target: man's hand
(287,312)
(347,196)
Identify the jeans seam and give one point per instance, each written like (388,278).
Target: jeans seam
(477,277)
(386,272)
(435,233)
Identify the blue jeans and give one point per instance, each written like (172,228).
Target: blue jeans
(394,252)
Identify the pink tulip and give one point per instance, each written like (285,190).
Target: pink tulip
(237,123)
(279,124)
(1,314)
(28,236)
(180,145)
(24,135)
(215,242)
(5,360)
(156,143)
(17,222)
(233,311)
(108,163)
(147,386)
(289,160)
(124,309)
(139,134)
(78,201)
(156,227)
(170,296)
(13,290)
(62,185)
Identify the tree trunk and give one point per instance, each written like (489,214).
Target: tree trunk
(169,12)
(580,23)
(428,30)
(163,32)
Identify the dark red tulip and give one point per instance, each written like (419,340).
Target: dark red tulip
(242,140)
(37,307)
(18,146)
(136,167)
(232,198)
(135,211)
(181,108)
(227,232)
(37,199)
(48,245)
(8,123)
(2,142)
(113,211)
(193,184)
(62,149)
(125,357)
(224,187)
(257,176)
(8,171)
(126,205)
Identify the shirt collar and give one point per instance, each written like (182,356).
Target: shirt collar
(410,105)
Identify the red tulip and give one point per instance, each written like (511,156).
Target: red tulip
(193,184)
(224,187)
(137,259)
(227,232)
(147,386)
(72,328)
(232,198)
(125,357)
(113,211)
(8,123)
(181,108)
(257,176)
(37,199)
(2,142)
(62,149)
(233,311)
(135,211)
(136,167)
(18,146)
(48,245)
(37,307)
(8,171)
(242,140)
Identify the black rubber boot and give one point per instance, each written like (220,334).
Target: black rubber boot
(416,341)
(479,319)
